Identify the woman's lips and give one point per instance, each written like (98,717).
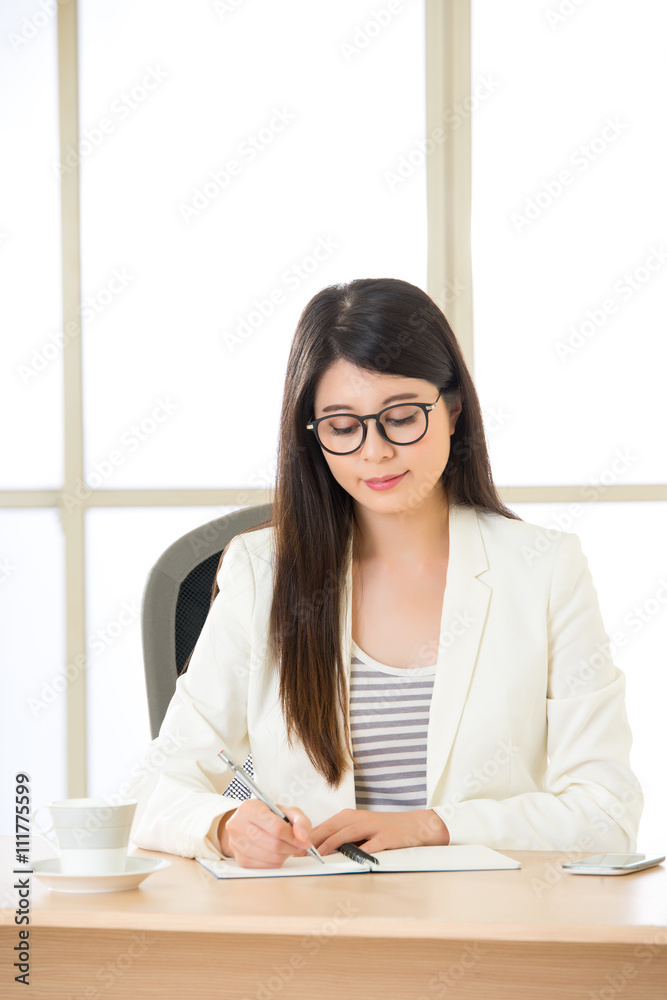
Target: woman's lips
(384,484)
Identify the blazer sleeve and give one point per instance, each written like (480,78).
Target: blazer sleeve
(180,782)
(591,800)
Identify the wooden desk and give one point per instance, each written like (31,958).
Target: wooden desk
(530,934)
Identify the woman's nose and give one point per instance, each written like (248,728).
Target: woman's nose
(375,444)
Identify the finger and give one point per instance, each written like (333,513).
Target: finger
(265,830)
(269,847)
(283,833)
(299,818)
(266,819)
(338,821)
(302,828)
(256,847)
(261,860)
(348,835)
(373,845)
(326,847)
(320,833)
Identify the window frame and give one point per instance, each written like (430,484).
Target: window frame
(449,197)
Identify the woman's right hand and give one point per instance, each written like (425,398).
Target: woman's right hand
(257,838)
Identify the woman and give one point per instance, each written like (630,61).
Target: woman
(405,660)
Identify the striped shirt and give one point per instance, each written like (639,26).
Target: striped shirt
(389,710)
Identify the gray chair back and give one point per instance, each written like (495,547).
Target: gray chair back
(176,601)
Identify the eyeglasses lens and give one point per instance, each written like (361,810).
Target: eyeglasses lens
(343,433)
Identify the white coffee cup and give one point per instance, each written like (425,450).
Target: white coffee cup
(91,835)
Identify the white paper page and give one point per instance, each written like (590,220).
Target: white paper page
(409,859)
(334,864)
(454,858)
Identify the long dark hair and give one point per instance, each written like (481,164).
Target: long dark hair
(384,326)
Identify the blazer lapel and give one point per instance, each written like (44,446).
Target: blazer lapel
(464,612)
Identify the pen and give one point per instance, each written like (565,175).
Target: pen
(250,784)
(356,854)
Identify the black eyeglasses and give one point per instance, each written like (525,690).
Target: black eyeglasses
(345,433)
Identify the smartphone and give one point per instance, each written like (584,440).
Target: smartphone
(612,864)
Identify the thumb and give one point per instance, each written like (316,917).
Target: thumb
(301,825)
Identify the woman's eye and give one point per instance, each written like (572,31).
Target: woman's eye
(403,421)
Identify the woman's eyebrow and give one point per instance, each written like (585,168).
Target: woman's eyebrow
(390,399)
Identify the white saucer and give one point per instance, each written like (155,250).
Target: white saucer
(136,870)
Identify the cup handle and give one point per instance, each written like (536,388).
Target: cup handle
(40,830)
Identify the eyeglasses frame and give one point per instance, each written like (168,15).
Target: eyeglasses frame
(426,407)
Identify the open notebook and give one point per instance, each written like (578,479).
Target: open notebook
(456,858)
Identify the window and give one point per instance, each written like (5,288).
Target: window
(232,160)
(570,273)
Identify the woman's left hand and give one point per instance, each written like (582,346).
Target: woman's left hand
(380,831)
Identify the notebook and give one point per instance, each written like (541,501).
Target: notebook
(454,858)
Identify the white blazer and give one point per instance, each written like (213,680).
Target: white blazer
(528,740)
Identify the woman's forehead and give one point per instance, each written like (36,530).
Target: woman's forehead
(353,382)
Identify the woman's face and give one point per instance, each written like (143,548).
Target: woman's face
(354,390)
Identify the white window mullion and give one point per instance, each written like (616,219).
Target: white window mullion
(72,515)
(449,164)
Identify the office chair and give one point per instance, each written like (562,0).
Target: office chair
(175,603)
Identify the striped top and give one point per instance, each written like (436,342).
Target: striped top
(389,711)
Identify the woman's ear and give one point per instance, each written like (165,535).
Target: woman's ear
(455,411)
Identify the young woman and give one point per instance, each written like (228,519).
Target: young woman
(405,660)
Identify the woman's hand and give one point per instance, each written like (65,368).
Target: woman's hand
(380,831)
(257,838)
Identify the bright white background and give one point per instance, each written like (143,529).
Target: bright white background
(568,409)
(549,262)
(30,298)
(178,392)
(196,317)
(163,297)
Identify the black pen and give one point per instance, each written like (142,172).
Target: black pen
(356,854)
(245,778)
